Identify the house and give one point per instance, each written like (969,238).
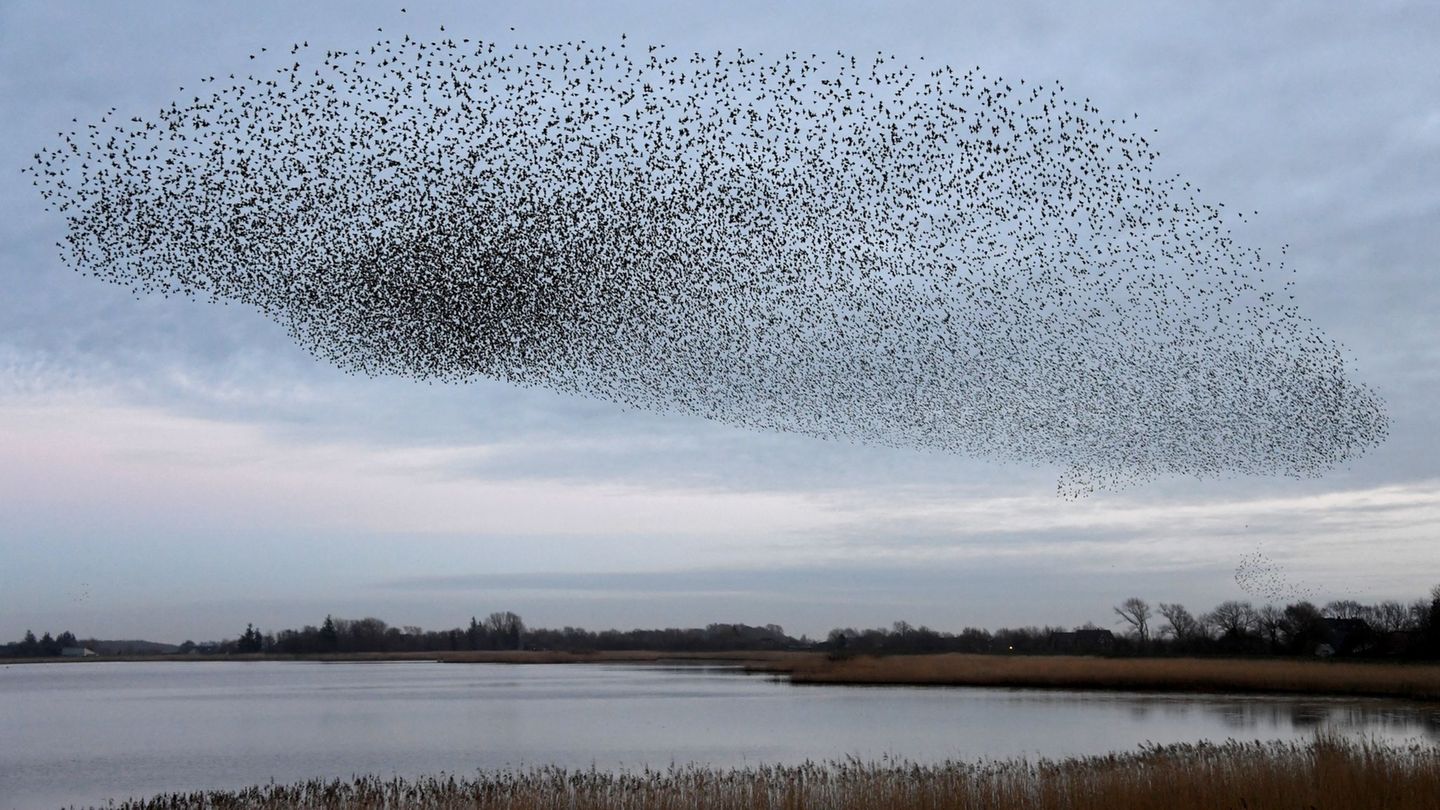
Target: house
(1085,641)
(76,652)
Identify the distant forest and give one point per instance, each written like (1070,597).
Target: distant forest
(1341,628)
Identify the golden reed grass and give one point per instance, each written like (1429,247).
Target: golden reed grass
(1413,681)
(1324,773)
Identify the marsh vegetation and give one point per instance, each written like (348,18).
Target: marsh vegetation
(1323,773)
(1272,676)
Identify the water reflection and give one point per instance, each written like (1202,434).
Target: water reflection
(1249,715)
(82,733)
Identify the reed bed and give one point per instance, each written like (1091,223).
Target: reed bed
(1412,681)
(1327,772)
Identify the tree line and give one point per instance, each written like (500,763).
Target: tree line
(1342,627)
(503,630)
(1233,627)
(46,645)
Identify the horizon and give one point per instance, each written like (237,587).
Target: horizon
(1413,608)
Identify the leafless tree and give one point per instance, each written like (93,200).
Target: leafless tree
(1302,626)
(1136,612)
(1390,616)
(1345,609)
(1232,618)
(1270,621)
(1419,613)
(507,628)
(1179,623)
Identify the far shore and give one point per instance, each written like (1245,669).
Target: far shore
(758,658)
(1181,675)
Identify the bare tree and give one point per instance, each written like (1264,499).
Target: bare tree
(1179,623)
(1419,613)
(1302,627)
(506,628)
(1387,617)
(1233,619)
(1270,621)
(1345,609)
(367,633)
(1136,612)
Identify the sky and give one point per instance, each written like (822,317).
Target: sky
(172,469)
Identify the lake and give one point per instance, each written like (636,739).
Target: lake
(85,732)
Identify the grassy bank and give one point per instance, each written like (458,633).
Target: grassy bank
(1202,675)
(1326,773)
(1277,676)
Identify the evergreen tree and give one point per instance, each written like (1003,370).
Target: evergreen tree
(329,638)
(251,641)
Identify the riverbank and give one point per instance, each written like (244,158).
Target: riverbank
(759,659)
(1323,773)
(1185,675)
(1196,675)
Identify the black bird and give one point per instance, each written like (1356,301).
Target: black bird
(843,247)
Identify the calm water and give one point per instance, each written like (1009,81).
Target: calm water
(83,733)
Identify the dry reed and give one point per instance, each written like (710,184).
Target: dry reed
(1327,772)
(1413,681)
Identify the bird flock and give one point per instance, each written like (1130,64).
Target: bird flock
(849,247)
(1260,576)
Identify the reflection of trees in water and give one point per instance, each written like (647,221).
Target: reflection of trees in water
(1340,715)
(1346,715)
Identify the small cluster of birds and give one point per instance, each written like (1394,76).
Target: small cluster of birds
(847,247)
(1260,576)
(81,594)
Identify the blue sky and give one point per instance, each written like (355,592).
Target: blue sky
(174,469)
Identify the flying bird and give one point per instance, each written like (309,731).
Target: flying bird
(841,246)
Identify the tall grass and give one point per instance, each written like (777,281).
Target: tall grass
(1324,773)
(1146,674)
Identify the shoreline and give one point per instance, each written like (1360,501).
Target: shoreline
(1200,676)
(1326,772)
(451,657)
